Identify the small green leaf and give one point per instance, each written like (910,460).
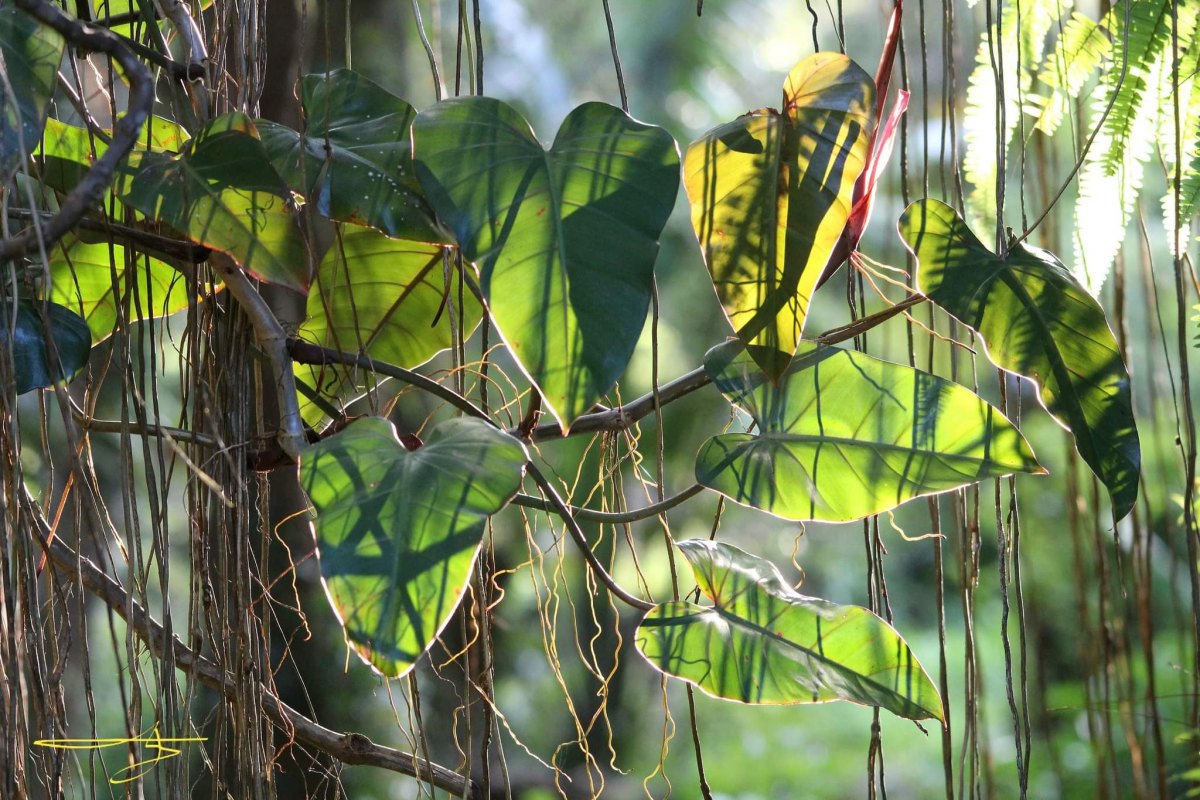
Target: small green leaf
(34,366)
(844,435)
(383,297)
(354,160)
(397,531)
(771,192)
(761,642)
(222,192)
(93,280)
(29,57)
(1037,321)
(565,240)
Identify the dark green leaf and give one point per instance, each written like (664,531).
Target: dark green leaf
(565,241)
(34,365)
(771,193)
(844,435)
(1037,321)
(397,531)
(354,160)
(222,192)
(383,297)
(762,642)
(29,57)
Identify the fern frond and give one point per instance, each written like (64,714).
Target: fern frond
(1187,91)
(1023,29)
(1110,181)
(1081,47)
(1149,38)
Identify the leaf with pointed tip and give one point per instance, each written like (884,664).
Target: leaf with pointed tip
(398,531)
(29,55)
(222,192)
(844,435)
(93,280)
(565,240)
(1036,321)
(383,297)
(354,160)
(761,642)
(34,365)
(771,194)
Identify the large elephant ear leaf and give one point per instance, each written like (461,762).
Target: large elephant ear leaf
(222,192)
(383,297)
(772,191)
(761,642)
(29,54)
(565,240)
(843,435)
(397,531)
(1036,320)
(353,162)
(104,283)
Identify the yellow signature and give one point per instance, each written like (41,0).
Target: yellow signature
(154,742)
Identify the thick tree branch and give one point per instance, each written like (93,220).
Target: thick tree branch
(307,353)
(125,131)
(152,244)
(349,748)
(193,71)
(274,342)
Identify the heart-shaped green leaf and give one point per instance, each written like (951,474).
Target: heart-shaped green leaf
(383,297)
(354,160)
(397,531)
(222,192)
(29,54)
(34,365)
(1037,321)
(68,152)
(771,192)
(565,240)
(93,280)
(844,435)
(761,642)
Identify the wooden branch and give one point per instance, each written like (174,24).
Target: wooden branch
(612,517)
(126,130)
(192,71)
(349,748)
(618,419)
(151,243)
(269,334)
(307,353)
(180,17)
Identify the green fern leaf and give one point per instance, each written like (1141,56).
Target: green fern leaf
(1149,38)
(1187,91)
(1081,48)
(1020,38)
(1109,184)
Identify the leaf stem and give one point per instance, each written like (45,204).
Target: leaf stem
(564,511)
(613,517)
